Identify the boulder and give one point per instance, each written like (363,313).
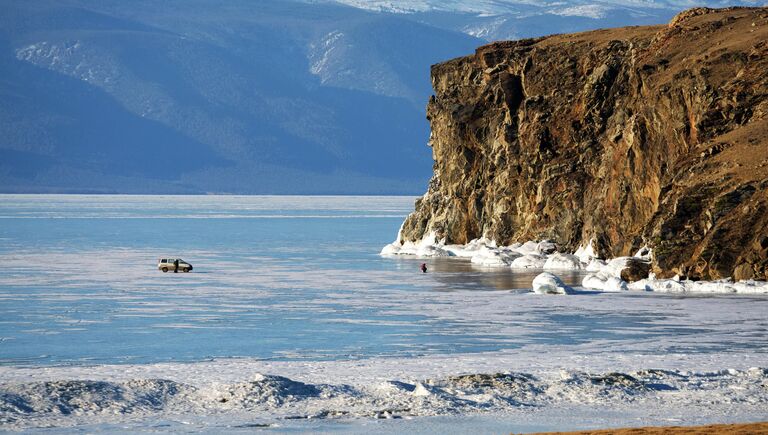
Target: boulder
(550,284)
(635,269)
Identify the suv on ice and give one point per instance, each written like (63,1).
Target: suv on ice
(166,264)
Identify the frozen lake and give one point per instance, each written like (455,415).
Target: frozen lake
(294,287)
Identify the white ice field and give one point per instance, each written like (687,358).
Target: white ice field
(292,321)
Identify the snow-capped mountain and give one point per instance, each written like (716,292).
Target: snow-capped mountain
(584,8)
(195,96)
(511,19)
(272,96)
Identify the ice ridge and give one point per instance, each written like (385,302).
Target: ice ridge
(69,402)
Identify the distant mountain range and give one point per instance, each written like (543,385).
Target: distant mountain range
(268,96)
(494,20)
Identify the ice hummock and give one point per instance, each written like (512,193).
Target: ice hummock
(606,276)
(277,400)
(492,257)
(529,261)
(723,286)
(586,253)
(547,283)
(558,261)
(429,246)
(486,252)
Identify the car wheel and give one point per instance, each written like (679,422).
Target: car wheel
(164,269)
(186,270)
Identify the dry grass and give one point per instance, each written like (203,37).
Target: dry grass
(731,429)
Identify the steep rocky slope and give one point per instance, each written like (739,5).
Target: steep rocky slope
(626,137)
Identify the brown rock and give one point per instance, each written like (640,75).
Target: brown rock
(642,135)
(743,271)
(635,270)
(761,244)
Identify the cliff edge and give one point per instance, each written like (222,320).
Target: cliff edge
(621,138)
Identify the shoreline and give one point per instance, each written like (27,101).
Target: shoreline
(615,275)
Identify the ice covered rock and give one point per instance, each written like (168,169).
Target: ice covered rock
(614,275)
(429,246)
(614,284)
(492,257)
(659,285)
(395,247)
(751,287)
(593,282)
(602,282)
(644,253)
(432,251)
(559,261)
(470,249)
(528,248)
(627,268)
(529,261)
(642,285)
(546,247)
(719,286)
(391,249)
(586,253)
(547,283)
(596,265)
(635,269)
(723,286)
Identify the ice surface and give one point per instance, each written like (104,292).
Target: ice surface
(297,324)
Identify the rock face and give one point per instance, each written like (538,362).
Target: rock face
(627,137)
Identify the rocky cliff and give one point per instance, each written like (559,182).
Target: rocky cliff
(626,137)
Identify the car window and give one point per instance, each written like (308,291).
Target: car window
(163,261)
